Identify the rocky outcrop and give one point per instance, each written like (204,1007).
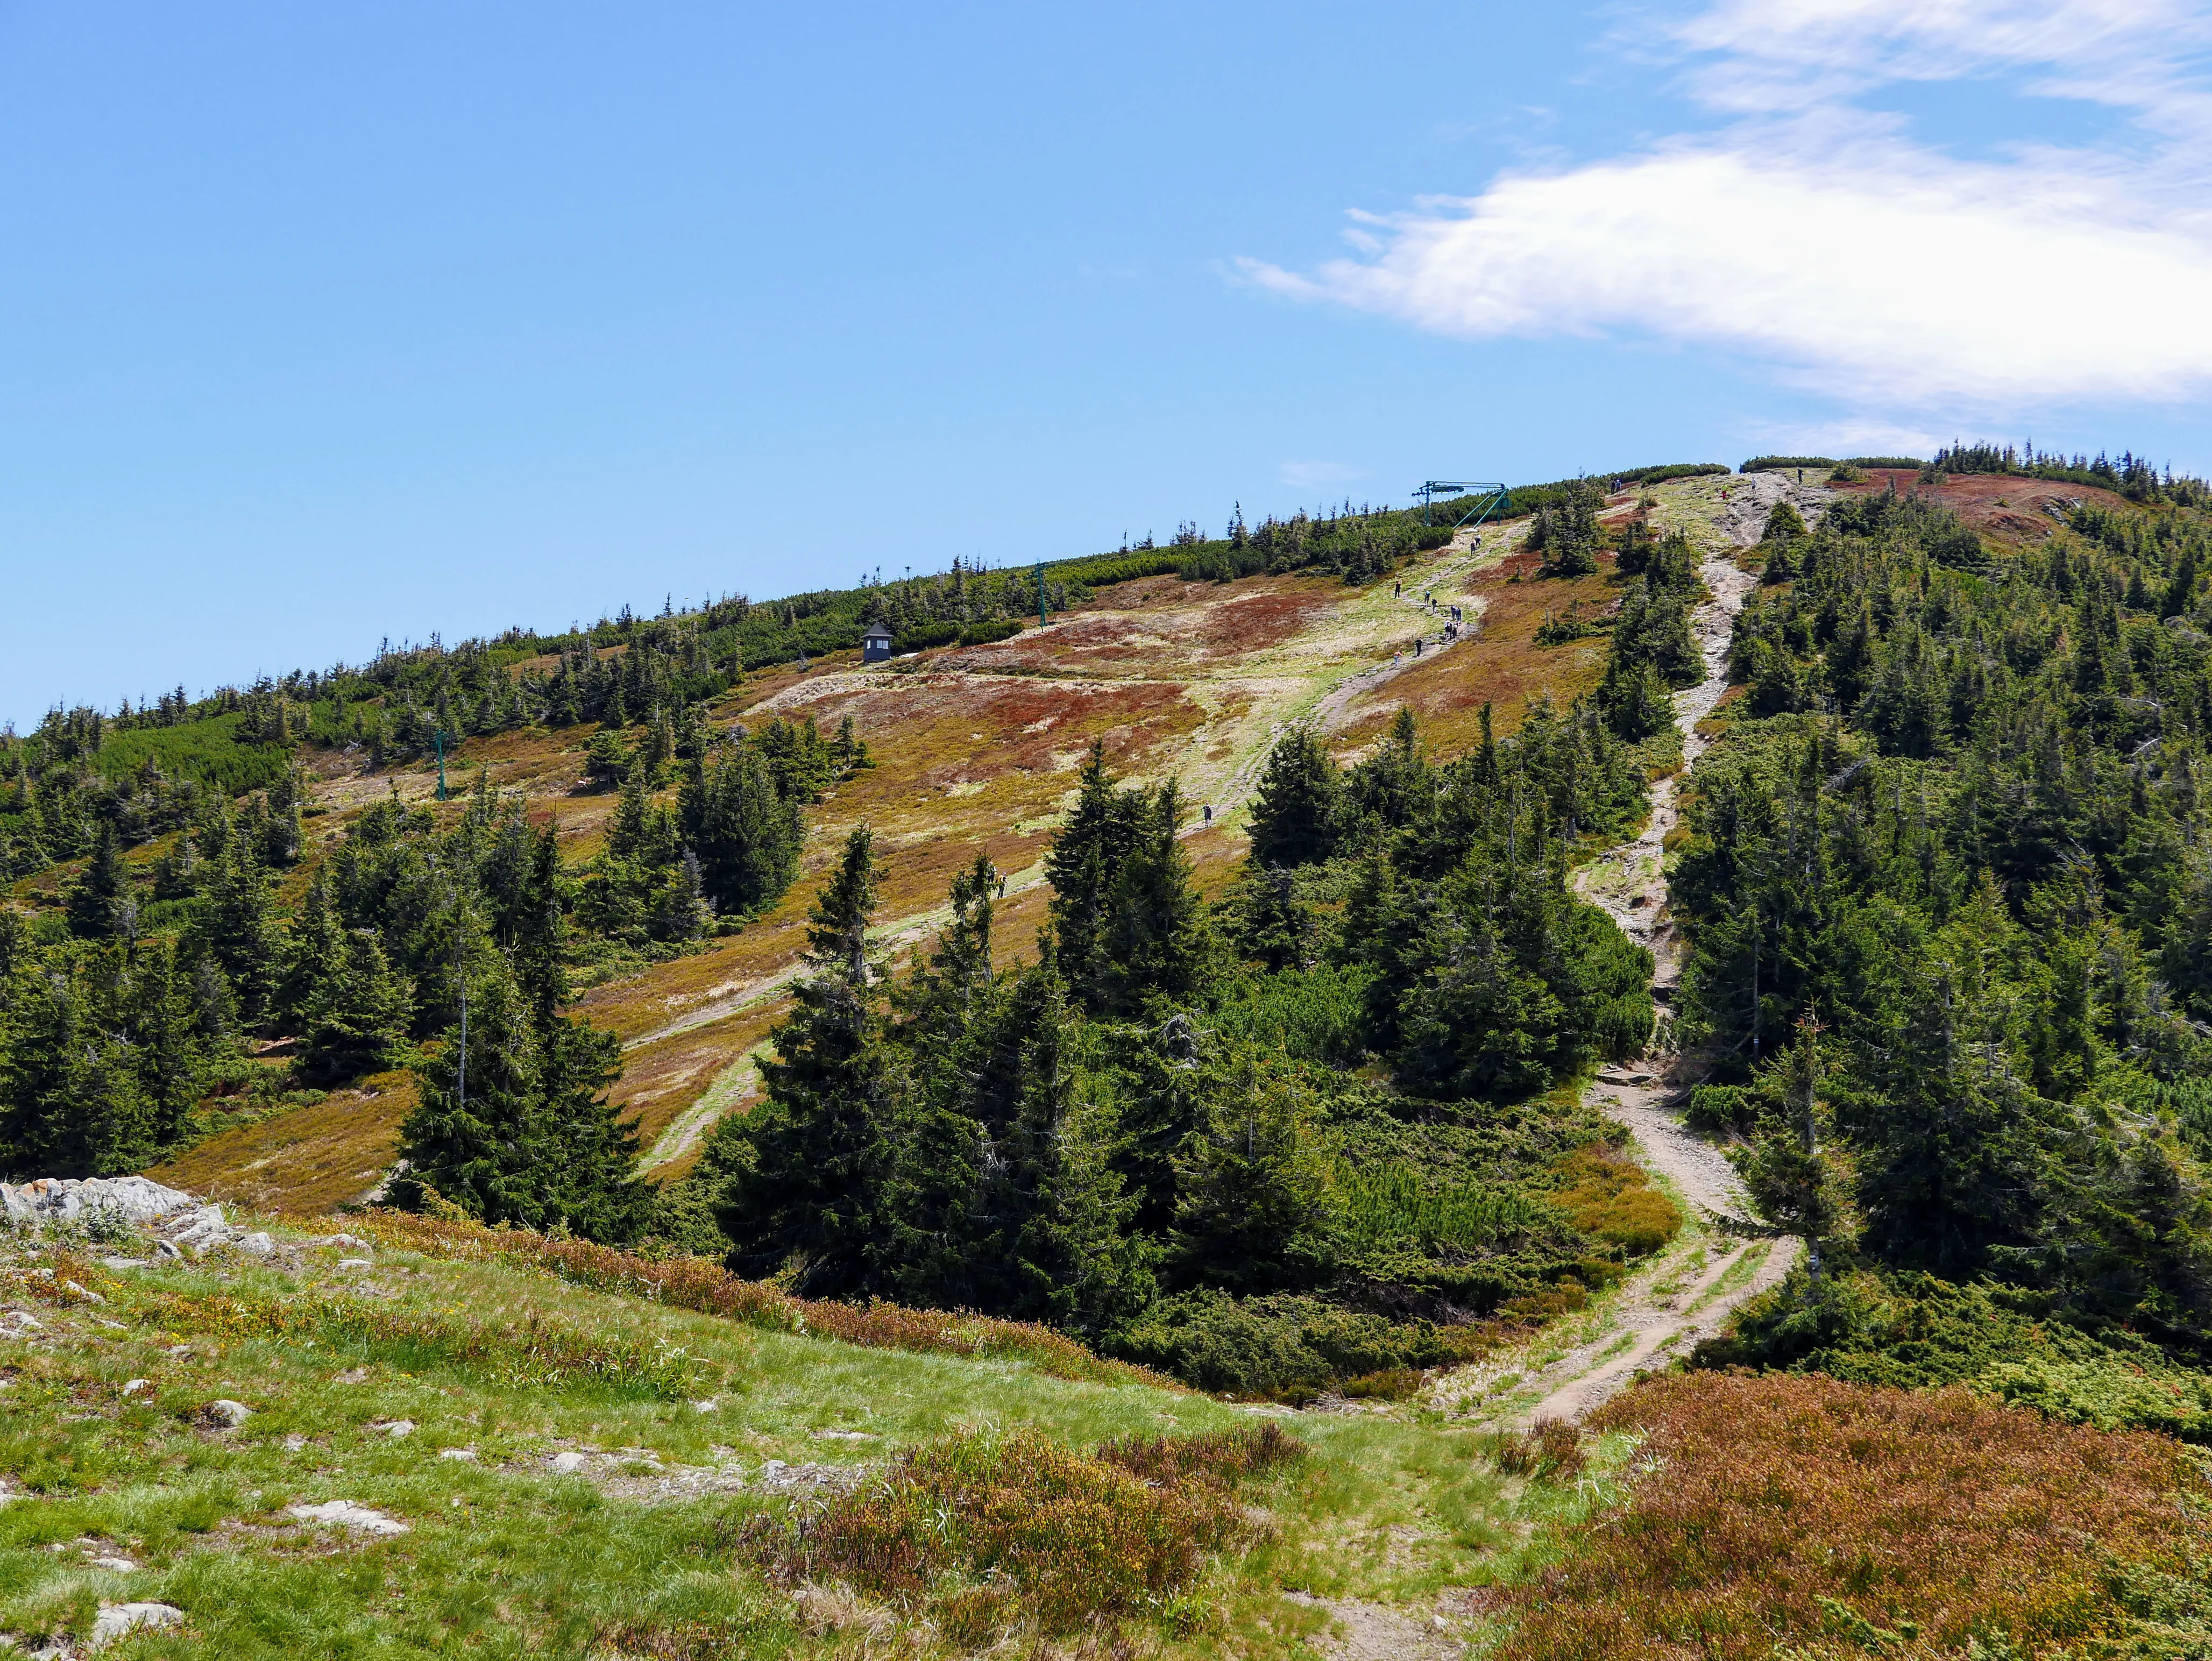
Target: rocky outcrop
(134,1200)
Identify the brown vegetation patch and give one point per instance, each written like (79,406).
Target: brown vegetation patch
(662,1081)
(989,1532)
(2001,506)
(740,968)
(1502,666)
(306,1160)
(1163,626)
(1797,1512)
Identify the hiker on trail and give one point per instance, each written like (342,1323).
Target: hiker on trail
(1208,811)
(1397,591)
(1418,645)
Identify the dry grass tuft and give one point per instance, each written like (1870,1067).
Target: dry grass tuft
(1783,1514)
(1220,1458)
(988,1533)
(66,1280)
(1550,1448)
(697,1283)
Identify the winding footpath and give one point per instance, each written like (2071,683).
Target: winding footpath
(1685,1293)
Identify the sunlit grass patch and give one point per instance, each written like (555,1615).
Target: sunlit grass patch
(698,1284)
(302,1159)
(533,1353)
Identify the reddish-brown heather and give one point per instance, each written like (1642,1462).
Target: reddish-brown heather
(1778,1512)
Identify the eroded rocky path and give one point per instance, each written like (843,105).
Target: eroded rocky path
(1685,1294)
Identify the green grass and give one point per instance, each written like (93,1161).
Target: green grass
(506,1557)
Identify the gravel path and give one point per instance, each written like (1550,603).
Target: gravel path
(1660,1314)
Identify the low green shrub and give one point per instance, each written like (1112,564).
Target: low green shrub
(1912,1330)
(1285,1347)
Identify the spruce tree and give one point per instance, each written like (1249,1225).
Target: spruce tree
(1394,786)
(234,928)
(473,1134)
(1570,533)
(314,953)
(745,832)
(356,1013)
(1296,813)
(1788,1175)
(1264,918)
(1155,941)
(98,898)
(1083,863)
(806,1198)
(590,1153)
(1255,1205)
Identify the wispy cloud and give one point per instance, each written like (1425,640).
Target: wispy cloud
(1815,236)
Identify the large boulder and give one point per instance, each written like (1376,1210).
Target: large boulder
(70,1199)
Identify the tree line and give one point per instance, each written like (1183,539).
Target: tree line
(1948,899)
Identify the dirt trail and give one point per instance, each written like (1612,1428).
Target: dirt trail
(1326,713)
(1686,1293)
(1329,711)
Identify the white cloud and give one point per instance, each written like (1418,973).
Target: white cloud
(1818,240)
(1788,54)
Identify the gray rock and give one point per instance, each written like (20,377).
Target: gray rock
(226,1413)
(119,1565)
(394,1429)
(344,1513)
(70,1199)
(258,1243)
(565,1464)
(116,1621)
(203,1230)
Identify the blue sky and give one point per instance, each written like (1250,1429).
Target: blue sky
(319,325)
